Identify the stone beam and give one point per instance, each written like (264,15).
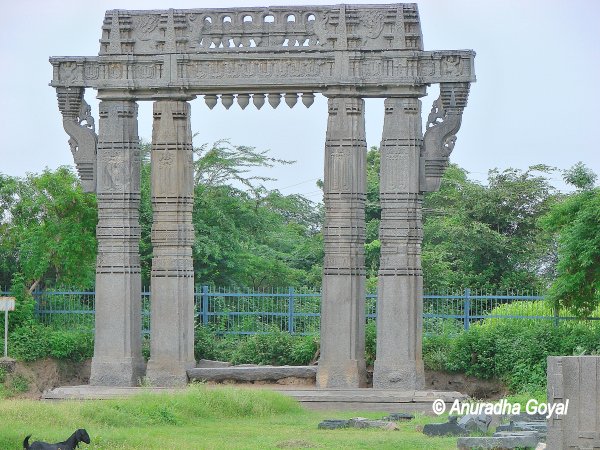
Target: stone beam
(370,73)
(262,29)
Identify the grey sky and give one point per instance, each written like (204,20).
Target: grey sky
(536,99)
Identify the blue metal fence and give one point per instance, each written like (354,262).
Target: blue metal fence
(298,311)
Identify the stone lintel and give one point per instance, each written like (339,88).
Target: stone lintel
(371,73)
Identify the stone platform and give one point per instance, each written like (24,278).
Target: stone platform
(311,398)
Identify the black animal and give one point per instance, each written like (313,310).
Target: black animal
(70,444)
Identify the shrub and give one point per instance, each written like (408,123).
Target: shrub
(274,348)
(71,344)
(29,342)
(516,350)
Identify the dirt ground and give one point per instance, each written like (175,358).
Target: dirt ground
(50,373)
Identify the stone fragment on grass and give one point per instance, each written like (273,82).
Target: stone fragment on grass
(502,440)
(333,424)
(475,422)
(362,422)
(450,428)
(398,417)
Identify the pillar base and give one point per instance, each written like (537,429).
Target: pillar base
(351,374)
(117,372)
(404,376)
(166,372)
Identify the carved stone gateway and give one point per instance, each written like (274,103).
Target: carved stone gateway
(262,55)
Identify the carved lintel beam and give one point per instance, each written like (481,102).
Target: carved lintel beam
(442,125)
(385,73)
(79,125)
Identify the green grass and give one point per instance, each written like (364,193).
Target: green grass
(202,418)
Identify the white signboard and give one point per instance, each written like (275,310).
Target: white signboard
(7,303)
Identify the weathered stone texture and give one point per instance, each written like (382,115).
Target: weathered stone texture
(400,300)
(576,379)
(172,277)
(342,362)
(262,55)
(117,350)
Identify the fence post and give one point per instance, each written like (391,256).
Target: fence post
(556,315)
(291,311)
(204,305)
(467,307)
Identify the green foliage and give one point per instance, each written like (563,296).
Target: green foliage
(580,176)
(513,350)
(19,384)
(71,344)
(487,236)
(33,341)
(24,304)
(273,348)
(29,342)
(48,229)
(576,223)
(370,342)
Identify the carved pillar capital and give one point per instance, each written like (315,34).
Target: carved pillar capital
(79,125)
(440,136)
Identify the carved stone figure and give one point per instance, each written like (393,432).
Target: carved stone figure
(234,55)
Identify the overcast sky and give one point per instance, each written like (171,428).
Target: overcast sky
(536,99)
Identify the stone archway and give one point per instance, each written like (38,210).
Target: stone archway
(345,52)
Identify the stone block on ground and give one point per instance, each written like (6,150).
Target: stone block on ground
(450,428)
(252,373)
(475,422)
(502,440)
(362,422)
(399,417)
(539,426)
(333,424)
(209,364)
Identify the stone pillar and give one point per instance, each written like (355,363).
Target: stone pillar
(576,379)
(342,362)
(399,363)
(117,350)
(172,278)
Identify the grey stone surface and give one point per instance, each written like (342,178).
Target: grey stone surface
(399,363)
(208,363)
(347,53)
(362,422)
(576,379)
(475,422)
(540,426)
(333,424)
(256,373)
(450,428)
(399,417)
(508,440)
(342,362)
(172,277)
(117,357)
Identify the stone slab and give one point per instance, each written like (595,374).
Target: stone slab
(313,399)
(251,373)
(87,392)
(503,441)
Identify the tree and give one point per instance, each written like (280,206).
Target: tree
(245,234)
(48,229)
(576,224)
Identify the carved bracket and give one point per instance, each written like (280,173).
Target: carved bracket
(79,125)
(440,136)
